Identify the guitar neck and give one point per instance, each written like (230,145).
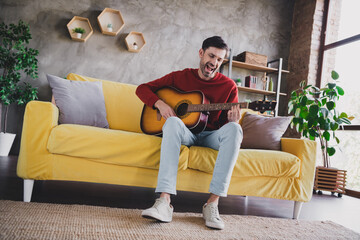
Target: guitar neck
(214,107)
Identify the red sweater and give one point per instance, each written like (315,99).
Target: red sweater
(220,89)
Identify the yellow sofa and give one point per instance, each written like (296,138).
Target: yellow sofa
(123,155)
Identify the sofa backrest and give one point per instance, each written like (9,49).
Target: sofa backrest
(123,107)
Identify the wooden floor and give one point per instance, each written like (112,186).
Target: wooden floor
(344,211)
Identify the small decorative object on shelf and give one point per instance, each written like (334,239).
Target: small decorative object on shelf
(79,32)
(250,81)
(110,21)
(238,82)
(252,58)
(268,113)
(135,46)
(271,85)
(135,41)
(265,82)
(80,25)
(109,27)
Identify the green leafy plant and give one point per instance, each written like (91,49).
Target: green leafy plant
(79,30)
(16,60)
(316,115)
(109,25)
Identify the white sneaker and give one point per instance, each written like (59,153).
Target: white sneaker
(212,216)
(161,211)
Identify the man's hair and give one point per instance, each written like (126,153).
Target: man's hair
(215,41)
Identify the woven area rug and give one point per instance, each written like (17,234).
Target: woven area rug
(20,220)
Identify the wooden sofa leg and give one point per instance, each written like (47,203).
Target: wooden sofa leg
(28,188)
(297,209)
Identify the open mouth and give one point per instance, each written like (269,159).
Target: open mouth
(209,68)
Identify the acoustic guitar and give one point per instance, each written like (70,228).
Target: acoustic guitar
(192,108)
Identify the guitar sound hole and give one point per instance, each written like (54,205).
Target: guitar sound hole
(181,110)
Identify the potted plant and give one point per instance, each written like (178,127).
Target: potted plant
(79,32)
(110,27)
(316,115)
(16,59)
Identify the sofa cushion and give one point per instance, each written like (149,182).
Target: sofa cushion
(262,132)
(109,146)
(79,102)
(250,162)
(123,107)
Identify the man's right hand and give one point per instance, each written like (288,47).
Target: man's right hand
(165,110)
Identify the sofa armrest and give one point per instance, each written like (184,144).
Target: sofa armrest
(305,150)
(34,159)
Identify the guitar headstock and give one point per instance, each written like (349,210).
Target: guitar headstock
(262,106)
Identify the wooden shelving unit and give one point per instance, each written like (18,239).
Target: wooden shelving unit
(113,17)
(253,67)
(259,91)
(82,22)
(266,70)
(135,41)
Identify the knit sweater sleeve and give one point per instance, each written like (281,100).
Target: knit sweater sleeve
(146,91)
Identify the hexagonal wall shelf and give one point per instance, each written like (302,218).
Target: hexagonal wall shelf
(135,41)
(110,16)
(80,22)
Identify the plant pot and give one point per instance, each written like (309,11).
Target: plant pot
(110,29)
(330,179)
(78,35)
(6,141)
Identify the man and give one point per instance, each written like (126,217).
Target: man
(222,133)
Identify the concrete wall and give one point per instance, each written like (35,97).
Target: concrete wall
(173,29)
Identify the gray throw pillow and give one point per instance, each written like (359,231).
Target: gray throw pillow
(263,132)
(79,102)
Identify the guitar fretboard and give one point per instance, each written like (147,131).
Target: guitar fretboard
(214,106)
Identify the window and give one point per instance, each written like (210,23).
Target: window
(341,52)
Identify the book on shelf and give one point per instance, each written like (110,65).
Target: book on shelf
(250,81)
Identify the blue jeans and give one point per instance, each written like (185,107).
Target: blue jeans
(226,140)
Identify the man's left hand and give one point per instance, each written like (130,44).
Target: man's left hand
(234,114)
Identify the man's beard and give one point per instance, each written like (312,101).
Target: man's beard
(207,69)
